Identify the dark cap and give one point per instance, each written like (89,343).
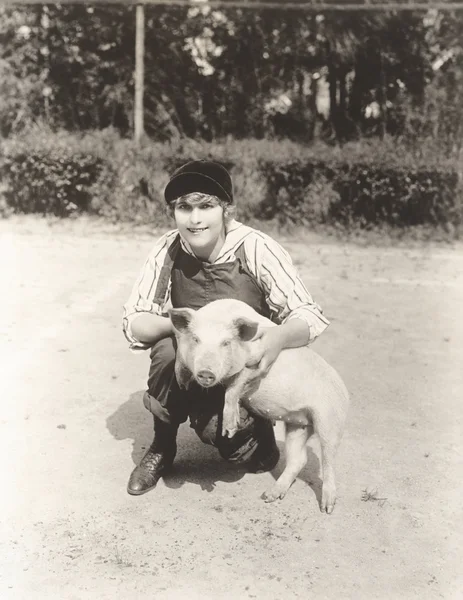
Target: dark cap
(203,176)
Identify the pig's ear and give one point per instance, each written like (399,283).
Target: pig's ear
(246,329)
(181,318)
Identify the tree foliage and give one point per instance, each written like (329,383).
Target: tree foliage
(213,73)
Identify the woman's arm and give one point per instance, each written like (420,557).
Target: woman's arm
(149,328)
(300,319)
(141,307)
(292,334)
(286,294)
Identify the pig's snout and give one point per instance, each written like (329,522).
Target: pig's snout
(206,378)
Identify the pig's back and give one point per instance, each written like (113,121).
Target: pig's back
(299,380)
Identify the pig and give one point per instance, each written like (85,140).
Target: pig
(214,345)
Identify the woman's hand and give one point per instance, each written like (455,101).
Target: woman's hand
(292,334)
(271,344)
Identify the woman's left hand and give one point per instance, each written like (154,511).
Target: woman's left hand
(271,344)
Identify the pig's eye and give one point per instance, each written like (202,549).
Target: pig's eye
(225,343)
(195,339)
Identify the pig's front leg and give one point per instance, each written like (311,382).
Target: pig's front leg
(182,374)
(231,409)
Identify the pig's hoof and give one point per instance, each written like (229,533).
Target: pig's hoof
(229,426)
(276,492)
(229,432)
(328,501)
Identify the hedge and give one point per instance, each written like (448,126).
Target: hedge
(367,183)
(48,174)
(334,191)
(48,184)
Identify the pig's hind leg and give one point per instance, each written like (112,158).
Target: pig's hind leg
(296,458)
(329,436)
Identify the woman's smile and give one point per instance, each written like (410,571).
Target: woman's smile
(197,230)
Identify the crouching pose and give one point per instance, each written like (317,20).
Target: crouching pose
(211,256)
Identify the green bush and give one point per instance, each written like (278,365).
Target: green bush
(363,184)
(131,184)
(48,174)
(363,194)
(309,204)
(367,183)
(48,184)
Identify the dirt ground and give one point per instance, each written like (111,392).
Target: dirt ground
(73,425)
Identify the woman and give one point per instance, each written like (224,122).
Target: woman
(207,257)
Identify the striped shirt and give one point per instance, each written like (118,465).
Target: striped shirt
(274,272)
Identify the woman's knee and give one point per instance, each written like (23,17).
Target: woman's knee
(239,448)
(163,352)
(162,367)
(164,398)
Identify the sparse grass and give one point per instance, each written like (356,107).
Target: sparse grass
(119,560)
(372,496)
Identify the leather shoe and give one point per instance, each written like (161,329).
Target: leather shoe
(151,468)
(156,462)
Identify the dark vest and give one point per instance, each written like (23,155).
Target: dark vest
(196,283)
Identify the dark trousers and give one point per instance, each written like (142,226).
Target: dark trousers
(204,407)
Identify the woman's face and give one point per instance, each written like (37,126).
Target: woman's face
(201,224)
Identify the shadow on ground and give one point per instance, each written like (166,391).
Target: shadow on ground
(196,462)
(132,421)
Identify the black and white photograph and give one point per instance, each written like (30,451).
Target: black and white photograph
(231,239)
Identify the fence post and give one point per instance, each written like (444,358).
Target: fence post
(139,71)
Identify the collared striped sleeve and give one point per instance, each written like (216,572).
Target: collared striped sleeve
(286,294)
(141,298)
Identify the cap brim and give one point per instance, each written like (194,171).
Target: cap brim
(186,183)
